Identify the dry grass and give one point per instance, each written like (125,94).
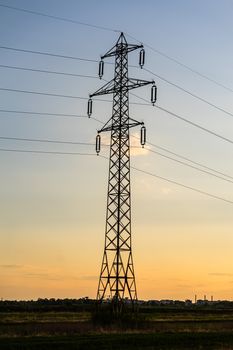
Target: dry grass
(71,330)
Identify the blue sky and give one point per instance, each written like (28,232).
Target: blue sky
(53,207)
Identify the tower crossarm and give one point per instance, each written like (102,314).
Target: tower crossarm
(113,87)
(109,126)
(121,47)
(108,88)
(135,83)
(115,50)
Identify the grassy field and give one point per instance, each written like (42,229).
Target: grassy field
(154,330)
(125,341)
(22,317)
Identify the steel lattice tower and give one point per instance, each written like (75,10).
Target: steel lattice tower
(117,277)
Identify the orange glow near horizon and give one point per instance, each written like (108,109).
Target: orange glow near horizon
(175,266)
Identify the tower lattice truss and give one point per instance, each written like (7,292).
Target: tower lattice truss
(117,278)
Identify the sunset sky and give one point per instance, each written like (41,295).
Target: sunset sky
(52,206)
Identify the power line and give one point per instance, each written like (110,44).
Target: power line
(175,154)
(43,113)
(137,169)
(99,121)
(188,165)
(118,31)
(182,185)
(91,144)
(179,184)
(88,76)
(185,158)
(190,93)
(89,60)
(44,93)
(183,65)
(48,71)
(46,141)
(194,124)
(52,95)
(95,77)
(48,54)
(135,103)
(59,18)
(46,152)
(66,115)
(183,119)
(149,143)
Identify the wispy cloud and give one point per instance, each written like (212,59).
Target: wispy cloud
(40,273)
(88,278)
(220,274)
(166,190)
(44,275)
(135,149)
(11,266)
(184,286)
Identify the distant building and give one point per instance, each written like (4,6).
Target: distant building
(166,302)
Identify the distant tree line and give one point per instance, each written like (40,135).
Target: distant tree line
(87,304)
(52,304)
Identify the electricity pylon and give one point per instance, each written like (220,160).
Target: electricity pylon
(117,277)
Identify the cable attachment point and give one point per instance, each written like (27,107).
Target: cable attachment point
(98,144)
(89,107)
(153,94)
(143,136)
(101,69)
(142,58)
